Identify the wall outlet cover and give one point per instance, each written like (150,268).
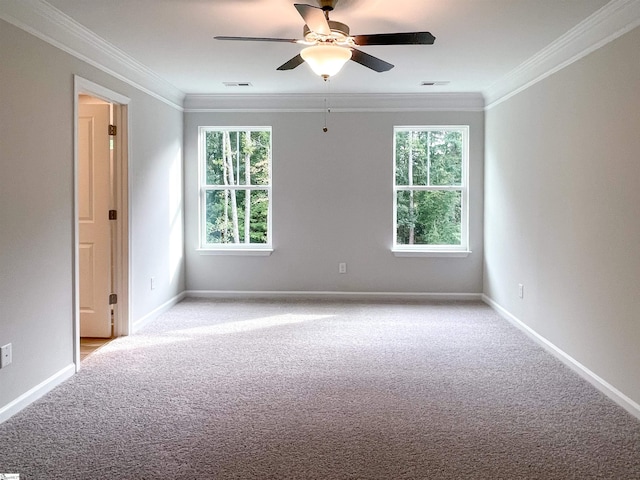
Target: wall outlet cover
(5,355)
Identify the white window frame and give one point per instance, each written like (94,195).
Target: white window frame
(260,249)
(461,250)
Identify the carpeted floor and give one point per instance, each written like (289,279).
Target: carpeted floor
(323,390)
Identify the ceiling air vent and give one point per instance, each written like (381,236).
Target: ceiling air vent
(433,83)
(237,84)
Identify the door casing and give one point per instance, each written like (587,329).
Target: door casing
(121,247)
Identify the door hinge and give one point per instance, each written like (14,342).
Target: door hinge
(113,130)
(113,214)
(113,299)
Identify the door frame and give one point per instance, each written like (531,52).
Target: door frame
(121,245)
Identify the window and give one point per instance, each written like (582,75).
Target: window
(431,191)
(235,189)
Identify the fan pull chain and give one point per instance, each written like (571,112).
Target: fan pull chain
(327,108)
(325,129)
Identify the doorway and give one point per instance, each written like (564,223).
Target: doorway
(101,243)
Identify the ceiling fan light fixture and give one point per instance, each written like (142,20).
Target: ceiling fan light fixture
(326,59)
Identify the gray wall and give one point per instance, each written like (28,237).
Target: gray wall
(332,202)
(36,204)
(561,198)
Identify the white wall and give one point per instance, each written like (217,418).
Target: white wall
(36,204)
(561,198)
(156,204)
(332,202)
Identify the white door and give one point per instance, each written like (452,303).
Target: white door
(94,181)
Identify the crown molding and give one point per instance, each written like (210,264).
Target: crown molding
(42,20)
(422,102)
(610,22)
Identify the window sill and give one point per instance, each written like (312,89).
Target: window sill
(431,253)
(246,252)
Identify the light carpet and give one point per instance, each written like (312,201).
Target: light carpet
(234,389)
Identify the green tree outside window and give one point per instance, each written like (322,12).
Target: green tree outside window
(430,186)
(235,185)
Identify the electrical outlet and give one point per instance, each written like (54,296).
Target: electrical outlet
(342,267)
(153,283)
(5,355)
(520,290)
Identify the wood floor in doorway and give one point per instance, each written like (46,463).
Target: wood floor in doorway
(89,345)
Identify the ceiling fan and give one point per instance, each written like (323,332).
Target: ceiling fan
(329,44)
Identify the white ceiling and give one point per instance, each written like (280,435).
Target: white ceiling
(478,42)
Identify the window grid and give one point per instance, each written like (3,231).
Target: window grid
(245,190)
(408,186)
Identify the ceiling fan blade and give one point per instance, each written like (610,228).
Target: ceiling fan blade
(291,64)
(409,38)
(258,39)
(370,61)
(314,18)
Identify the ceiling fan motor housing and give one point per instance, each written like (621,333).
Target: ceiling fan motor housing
(327,5)
(339,32)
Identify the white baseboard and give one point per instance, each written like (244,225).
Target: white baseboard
(332,295)
(142,321)
(609,390)
(36,392)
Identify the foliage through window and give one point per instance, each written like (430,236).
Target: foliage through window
(430,191)
(235,187)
